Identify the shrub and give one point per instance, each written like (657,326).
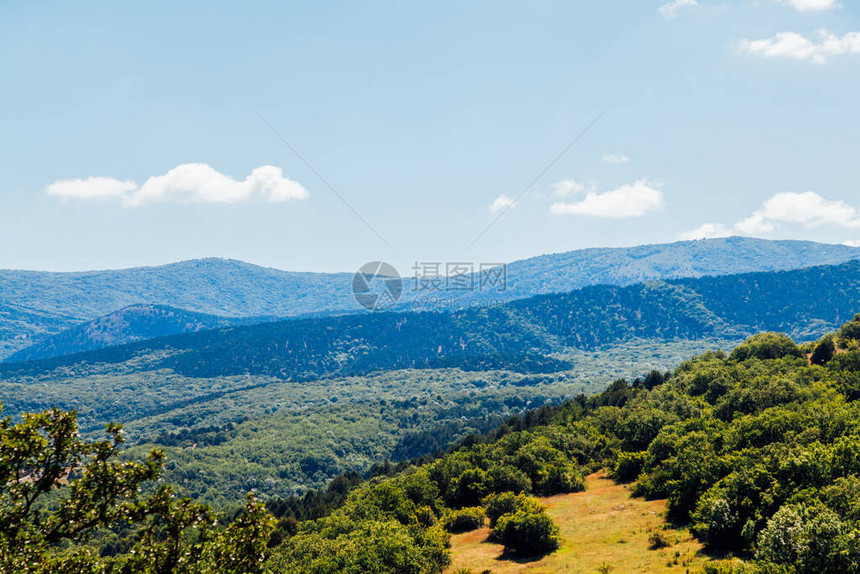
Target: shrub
(504,478)
(467,489)
(851,330)
(849,362)
(527,531)
(465,519)
(629,465)
(823,352)
(497,505)
(715,521)
(657,540)
(765,346)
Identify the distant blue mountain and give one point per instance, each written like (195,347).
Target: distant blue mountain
(128,325)
(35,305)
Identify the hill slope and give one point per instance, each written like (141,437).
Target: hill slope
(36,304)
(562,272)
(602,527)
(130,324)
(305,349)
(41,303)
(755,453)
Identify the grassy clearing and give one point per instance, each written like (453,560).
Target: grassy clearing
(603,529)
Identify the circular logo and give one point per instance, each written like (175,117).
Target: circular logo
(377,286)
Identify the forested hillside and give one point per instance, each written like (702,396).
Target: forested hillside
(757,452)
(234,405)
(728,307)
(130,324)
(35,305)
(562,272)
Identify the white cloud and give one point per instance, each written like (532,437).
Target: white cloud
(852,243)
(799,47)
(198,182)
(616,158)
(706,231)
(633,200)
(671,9)
(91,188)
(189,182)
(568,187)
(807,208)
(812,5)
(501,202)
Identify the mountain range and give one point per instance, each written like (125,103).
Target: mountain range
(804,303)
(52,314)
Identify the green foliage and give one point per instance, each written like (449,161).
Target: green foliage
(765,346)
(629,465)
(384,526)
(823,352)
(758,451)
(58,492)
(851,329)
(464,519)
(44,454)
(527,530)
(499,504)
(657,540)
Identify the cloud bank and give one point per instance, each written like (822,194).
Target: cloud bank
(186,183)
(806,208)
(671,9)
(633,200)
(812,5)
(798,47)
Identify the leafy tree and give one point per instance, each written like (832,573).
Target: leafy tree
(42,455)
(765,346)
(528,530)
(823,352)
(57,490)
(851,329)
(497,505)
(464,519)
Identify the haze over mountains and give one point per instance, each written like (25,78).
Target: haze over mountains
(36,306)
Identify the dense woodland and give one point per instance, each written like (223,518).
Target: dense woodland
(758,451)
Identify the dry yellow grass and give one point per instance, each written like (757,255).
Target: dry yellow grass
(603,527)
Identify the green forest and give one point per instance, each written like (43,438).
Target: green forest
(756,450)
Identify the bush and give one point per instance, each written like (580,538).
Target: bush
(527,531)
(497,505)
(629,466)
(851,330)
(765,346)
(657,540)
(823,352)
(464,520)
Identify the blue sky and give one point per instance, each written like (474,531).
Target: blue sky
(720,117)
